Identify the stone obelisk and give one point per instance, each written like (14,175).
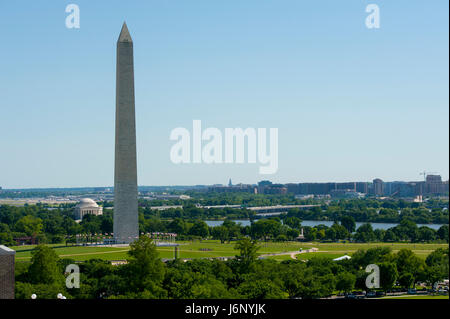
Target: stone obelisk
(126,228)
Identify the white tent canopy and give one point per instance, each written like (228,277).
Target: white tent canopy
(342,258)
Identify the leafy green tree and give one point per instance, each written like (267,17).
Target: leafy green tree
(388,275)
(379,234)
(44,268)
(390,236)
(406,280)
(365,234)
(407,230)
(408,263)
(439,257)
(340,231)
(293,222)
(6,237)
(248,254)
(200,228)
(437,266)
(265,229)
(234,229)
(220,232)
(23,290)
(144,270)
(91,224)
(70,226)
(362,258)
(310,233)
(330,234)
(30,225)
(177,226)
(443,233)
(181,281)
(320,235)
(292,233)
(426,234)
(291,273)
(349,223)
(261,289)
(106,225)
(313,285)
(345,281)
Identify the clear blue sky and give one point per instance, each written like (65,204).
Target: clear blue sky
(350,103)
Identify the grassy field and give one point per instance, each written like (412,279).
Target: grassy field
(213,248)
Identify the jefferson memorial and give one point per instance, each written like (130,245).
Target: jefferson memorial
(87,206)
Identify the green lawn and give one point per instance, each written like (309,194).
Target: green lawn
(213,248)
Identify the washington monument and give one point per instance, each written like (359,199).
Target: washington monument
(126,228)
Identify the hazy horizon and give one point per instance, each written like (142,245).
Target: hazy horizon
(198,185)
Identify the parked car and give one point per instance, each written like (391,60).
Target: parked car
(350,296)
(360,294)
(412,291)
(371,294)
(380,293)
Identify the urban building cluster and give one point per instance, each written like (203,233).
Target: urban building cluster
(431,186)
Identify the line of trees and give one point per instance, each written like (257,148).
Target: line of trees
(362,210)
(56,224)
(246,276)
(406,231)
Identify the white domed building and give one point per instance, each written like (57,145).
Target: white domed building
(87,206)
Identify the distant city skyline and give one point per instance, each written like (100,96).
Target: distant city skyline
(350,103)
(228,183)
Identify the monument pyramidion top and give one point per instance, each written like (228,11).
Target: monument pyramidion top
(125,34)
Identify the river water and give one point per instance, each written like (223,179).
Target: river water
(312,223)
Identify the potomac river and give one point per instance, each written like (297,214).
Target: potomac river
(312,223)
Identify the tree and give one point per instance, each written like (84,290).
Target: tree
(247,254)
(30,225)
(200,228)
(443,233)
(6,237)
(220,232)
(106,225)
(44,268)
(260,289)
(406,280)
(407,230)
(177,225)
(313,285)
(365,233)
(426,234)
(408,263)
(340,231)
(439,257)
(388,275)
(437,265)
(310,233)
(349,223)
(379,234)
(292,233)
(291,274)
(390,236)
(234,230)
(330,234)
(144,269)
(265,228)
(345,281)
(293,222)
(362,258)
